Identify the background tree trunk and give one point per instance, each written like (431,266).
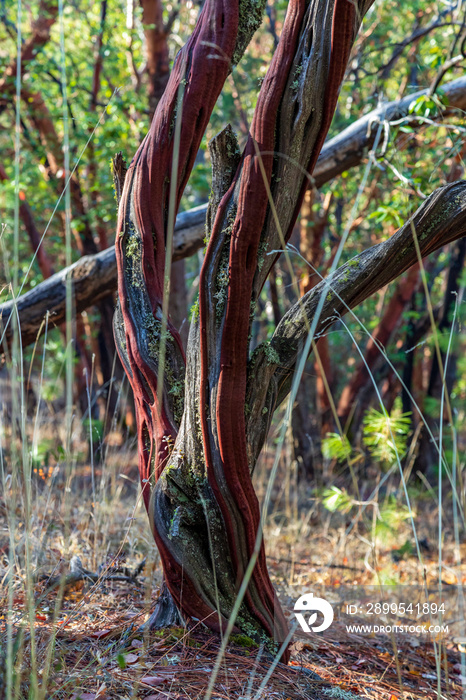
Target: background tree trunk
(427,455)
(381,336)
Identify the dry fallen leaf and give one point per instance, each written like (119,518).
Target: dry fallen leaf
(153,680)
(131,659)
(98,634)
(101,693)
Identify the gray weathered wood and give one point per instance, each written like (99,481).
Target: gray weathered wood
(440,219)
(93,277)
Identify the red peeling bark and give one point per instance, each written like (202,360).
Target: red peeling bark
(343,34)
(214,410)
(233,467)
(199,73)
(158,72)
(204,69)
(344,29)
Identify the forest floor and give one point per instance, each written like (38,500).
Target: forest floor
(76,648)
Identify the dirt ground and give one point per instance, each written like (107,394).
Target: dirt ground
(88,646)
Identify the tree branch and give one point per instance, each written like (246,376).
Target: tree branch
(348,148)
(94,277)
(46,16)
(440,220)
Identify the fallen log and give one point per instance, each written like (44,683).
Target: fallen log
(92,278)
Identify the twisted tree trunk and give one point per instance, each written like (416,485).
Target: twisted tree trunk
(196,446)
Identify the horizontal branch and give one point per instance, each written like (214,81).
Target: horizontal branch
(440,220)
(93,277)
(349,147)
(97,273)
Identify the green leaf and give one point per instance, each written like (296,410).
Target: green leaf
(336,446)
(335,499)
(386,434)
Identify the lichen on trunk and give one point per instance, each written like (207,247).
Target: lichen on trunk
(198,436)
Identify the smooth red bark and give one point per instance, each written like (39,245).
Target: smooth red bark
(199,72)
(200,69)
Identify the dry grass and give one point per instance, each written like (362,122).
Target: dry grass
(78,636)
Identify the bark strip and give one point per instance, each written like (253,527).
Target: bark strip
(219,39)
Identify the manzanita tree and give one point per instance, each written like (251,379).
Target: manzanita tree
(202,420)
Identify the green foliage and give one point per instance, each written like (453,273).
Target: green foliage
(406,550)
(55,358)
(391,515)
(97,426)
(386,434)
(336,446)
(337,499)
(387,214)
(425,106)
(121,661)
(44,450)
